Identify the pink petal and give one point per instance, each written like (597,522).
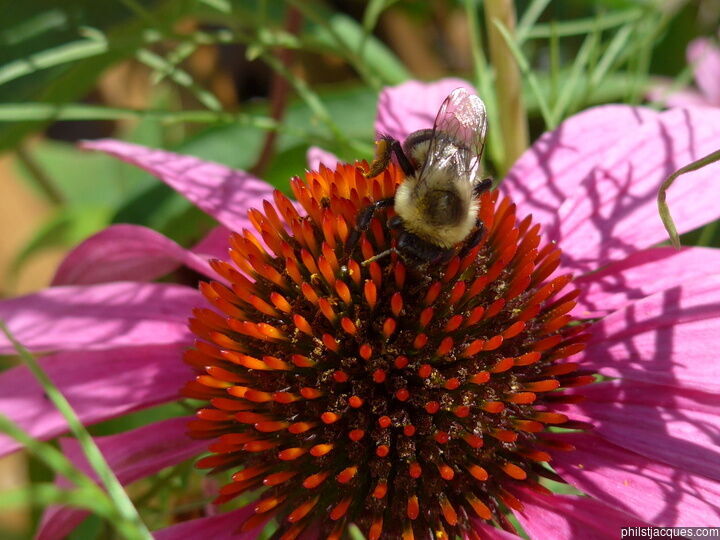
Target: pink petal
(126,253)
(215,245)
(488,532)
(677,426)
(662,92)
(412,105)
(657,493)
(316,156)
(705,56)
(613,211)
(669,338)
(642,274)
(132,455)
(552,168)
(220,527)
(99,385)
(100,316)
(570,517)
(222,192)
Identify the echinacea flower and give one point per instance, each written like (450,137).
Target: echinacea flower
(703,54)
(410,404)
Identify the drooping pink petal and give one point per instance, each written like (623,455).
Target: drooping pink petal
(705,57)
(221,527)
(551,170)
(412,105)
(662,92)
(132,455)
(668,338)
(642,274)
(99,317)
(316,156)
(570,517)
(126,253)
(655,492)
(98,384)
(222,192)
(613,211)
(215,245)
(488,532)
(677,426)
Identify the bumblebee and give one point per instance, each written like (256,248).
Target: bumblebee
(436,205)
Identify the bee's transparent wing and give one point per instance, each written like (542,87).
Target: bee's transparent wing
(458,137)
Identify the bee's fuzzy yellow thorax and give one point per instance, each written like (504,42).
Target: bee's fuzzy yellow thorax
(409,206)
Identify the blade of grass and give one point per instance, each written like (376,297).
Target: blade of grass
(25,112)
(45,494)
(585,25)
(130,525)
(174,58)
(372,13)
(664,209)
(312,100)
(351,54)
(180,77)
(42,180)
(618,43)
(650,29)
(62,54)
(483,82)
(569,90)
(222,6)
(529,18)
(48,454)
(554,64)
(529,76)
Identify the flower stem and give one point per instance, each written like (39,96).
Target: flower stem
(508,83)
(663,207)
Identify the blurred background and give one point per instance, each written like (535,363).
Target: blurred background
(253,84)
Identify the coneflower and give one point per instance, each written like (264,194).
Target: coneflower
(405,402)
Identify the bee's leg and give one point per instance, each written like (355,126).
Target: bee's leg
(482,186)
(386,146)
(363,220)
(474,239)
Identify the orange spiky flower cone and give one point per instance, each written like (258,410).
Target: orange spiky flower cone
(404,402)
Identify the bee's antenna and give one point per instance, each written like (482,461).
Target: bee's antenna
(380,255)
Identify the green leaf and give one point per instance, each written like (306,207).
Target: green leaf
(374,54)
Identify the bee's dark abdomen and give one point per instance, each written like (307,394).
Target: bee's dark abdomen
(419,252)
(443,208)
